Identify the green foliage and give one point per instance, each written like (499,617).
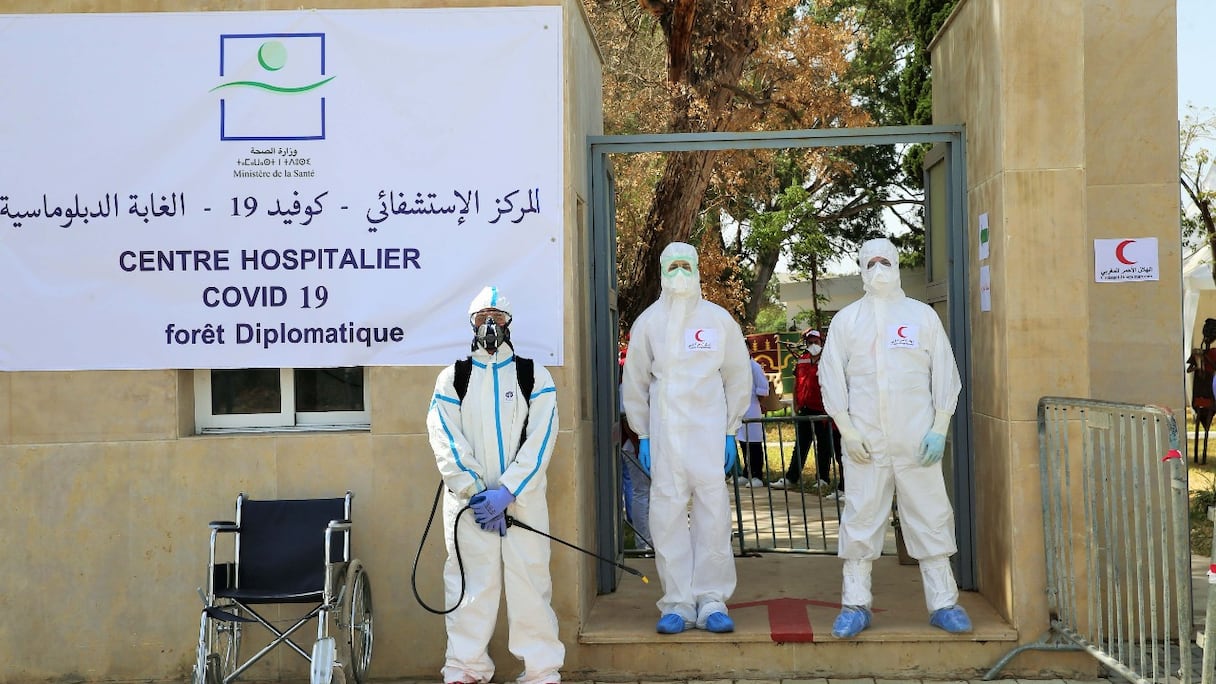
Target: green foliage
(770,319)
(764,66)
(890,71)
(1201,527)
(809,318)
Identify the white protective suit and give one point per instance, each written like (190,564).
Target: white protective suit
(477,446)
(687,384)
(887,369)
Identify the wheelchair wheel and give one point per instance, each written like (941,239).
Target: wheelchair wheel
(355,624)
(218,649)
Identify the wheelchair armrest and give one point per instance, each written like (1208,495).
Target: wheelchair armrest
(337,526)
(221,575)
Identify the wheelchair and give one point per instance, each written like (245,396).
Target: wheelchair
(287,552)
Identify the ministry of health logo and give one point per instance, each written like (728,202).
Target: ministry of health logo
(271,85)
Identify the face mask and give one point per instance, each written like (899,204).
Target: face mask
(883,275)
(489,336)
(883,278)
(681,282)
(815,349)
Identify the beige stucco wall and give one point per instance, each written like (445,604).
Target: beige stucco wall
(107,491)
(1071,136)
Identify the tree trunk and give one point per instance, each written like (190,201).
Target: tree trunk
(677,202)
(766,266)
(681,189)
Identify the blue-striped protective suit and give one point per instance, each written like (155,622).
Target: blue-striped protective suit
(477,446)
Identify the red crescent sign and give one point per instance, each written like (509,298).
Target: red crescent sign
(900,331)
(697,336)
(1119,252)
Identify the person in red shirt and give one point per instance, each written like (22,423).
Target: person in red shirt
(808,401)
(1202,363)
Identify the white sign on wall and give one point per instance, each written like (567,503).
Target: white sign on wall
(1125,259)
(278,189)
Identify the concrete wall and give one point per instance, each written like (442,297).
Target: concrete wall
(107,491)
(837,292)
(1071,129)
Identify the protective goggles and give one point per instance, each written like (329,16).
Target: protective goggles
(500,318)
(673,267)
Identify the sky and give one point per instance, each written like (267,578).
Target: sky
(1196,54)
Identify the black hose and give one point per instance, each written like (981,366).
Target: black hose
(460,561)
(455,544)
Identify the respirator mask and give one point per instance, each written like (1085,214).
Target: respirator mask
(490,330)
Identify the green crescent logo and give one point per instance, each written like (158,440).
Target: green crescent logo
(272,56)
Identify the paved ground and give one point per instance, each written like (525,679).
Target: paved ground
(862,680)
(782,521)
(769,586)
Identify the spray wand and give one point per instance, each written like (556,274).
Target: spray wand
(513,522)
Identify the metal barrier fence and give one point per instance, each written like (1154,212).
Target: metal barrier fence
(1117,538)
(1207,639)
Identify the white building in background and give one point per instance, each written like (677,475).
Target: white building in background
(836,292)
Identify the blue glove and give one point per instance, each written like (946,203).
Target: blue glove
(498,525)
(644,454)
(732,453)
(931,448)
(491,504)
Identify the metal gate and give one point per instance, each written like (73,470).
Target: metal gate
(949,177)
(800,515)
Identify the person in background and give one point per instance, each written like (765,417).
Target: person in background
(686,388)
(891,384)
(635,483)
(751,435)
(822,434)
(493,446)
(1202,363)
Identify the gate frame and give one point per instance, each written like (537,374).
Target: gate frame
(604,310)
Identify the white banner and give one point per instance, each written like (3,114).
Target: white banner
(277,189)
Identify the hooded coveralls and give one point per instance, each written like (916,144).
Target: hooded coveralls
(687,384)
(887,367)
(478,446)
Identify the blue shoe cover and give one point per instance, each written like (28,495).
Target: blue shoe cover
(850,622)
(670,624)
(719,622)
(953,619)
